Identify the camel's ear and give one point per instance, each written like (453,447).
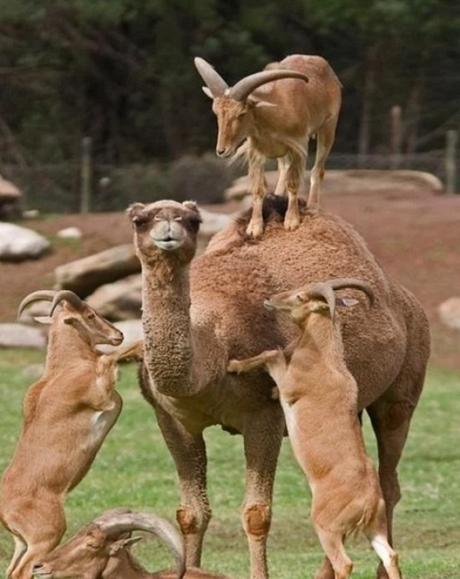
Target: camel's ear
(346,302)
(134,211)
(46,320)
(191,205)
(123,544)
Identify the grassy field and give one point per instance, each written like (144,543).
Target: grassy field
(134,469)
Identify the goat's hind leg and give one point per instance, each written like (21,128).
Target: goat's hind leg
(295,177)
(324,141)
(241,366)
(283,166)
(20,547)
(378,537)
(332,544)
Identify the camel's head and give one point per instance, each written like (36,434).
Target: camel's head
(165,228)
(317,297)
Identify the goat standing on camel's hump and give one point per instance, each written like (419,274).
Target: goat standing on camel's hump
(300,98)
(319,397)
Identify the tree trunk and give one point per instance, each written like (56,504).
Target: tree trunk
(368,94)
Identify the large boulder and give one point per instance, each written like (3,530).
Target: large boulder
(22,336)
(449,312)
(132,331)
(10,199)
(20,243)
(84,275)
(120,300)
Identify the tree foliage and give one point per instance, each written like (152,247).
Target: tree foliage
(122,71)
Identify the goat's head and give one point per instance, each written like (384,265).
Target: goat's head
(68,308)
(166,228)
(317,297)
(93,549)
(233,105)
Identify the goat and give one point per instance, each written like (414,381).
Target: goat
(319,397)
(101,549)
(302,100)
(67,415)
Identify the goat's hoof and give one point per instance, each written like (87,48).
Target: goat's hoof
(291,222)
(254,229)
(233,366)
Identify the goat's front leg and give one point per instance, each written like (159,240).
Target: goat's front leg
(258,189)
(240,366)
(189,454)
(262,442)
(295,178)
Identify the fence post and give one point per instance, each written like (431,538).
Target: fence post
(451,161)
(396,136)
(85,199)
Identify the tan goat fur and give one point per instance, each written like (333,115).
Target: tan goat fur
(319,397)
(277,120)
(66,417)
(197,315)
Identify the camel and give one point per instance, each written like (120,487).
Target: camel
(198,315)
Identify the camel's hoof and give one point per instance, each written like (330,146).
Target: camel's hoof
(254,229)
(291,223)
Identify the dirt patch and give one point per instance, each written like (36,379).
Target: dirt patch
(415,235)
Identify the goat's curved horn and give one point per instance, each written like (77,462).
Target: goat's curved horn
(120,523)
(211,77)
(244,87)
(68,296)
(41,295)
(326,290)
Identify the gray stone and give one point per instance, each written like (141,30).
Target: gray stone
(449,312)
(69,233)
(19,243)
(21,336)
(120,300)
(132,332)
(84,275)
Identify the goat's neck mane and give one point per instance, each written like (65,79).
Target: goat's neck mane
(167,327)
(66,345)
(321,338)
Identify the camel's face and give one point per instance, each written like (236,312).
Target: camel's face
(165,227)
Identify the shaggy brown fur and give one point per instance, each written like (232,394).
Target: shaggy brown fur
(198,316)
(67,415)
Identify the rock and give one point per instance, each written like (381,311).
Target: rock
(19,243)
(83,276)
(10,199)
(21,336)
(449,312)
(120,300)
(69,233)
(31,214)
(132,332)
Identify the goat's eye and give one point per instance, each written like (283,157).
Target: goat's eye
(91,316)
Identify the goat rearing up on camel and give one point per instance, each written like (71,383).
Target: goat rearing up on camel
(276,112)
(319,398)
(67,415)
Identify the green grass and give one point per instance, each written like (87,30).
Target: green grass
(134,469)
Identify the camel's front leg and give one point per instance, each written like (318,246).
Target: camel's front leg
(189,454)
(258,189)
(262,442)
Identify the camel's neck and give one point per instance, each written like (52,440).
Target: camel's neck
(65,345)
(167,327)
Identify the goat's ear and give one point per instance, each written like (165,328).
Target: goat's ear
(346,302)
(46,320)
(123,544)
(135,210)
(260,103)
(207,92)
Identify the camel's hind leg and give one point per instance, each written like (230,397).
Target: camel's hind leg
(324,141)
(20,547)
(332,544)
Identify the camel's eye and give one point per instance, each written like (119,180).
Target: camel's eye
(178,218)
(158,218)
(139,219)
